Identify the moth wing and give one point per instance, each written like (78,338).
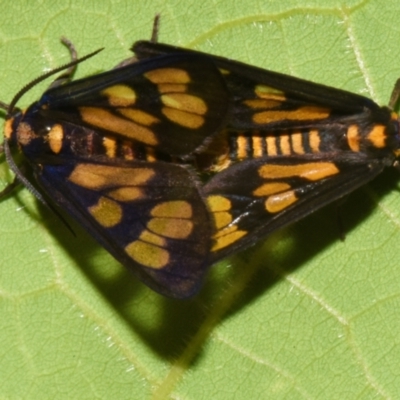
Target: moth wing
(150,216)
(174,103)
(256,197)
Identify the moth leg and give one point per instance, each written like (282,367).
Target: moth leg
(394,98)
(339,218)
(154,39)
(66,76)
(156,29)
(9,188)
(16,182)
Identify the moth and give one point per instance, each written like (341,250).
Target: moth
(114,151)
(289,147)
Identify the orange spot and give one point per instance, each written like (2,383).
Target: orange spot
(270,188)
(279,202)
(147,254)
(315,140)
(300,114)
(105,120)
(106,212)
(312,171)
(377,136)
(55,137)
(353,137)
(168,75)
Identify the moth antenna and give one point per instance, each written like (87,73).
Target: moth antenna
(30,85)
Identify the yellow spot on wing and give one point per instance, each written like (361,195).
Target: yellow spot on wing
(173,209)
(55,137)
(224,71)
(172,88)
(219,206)
(279,202)
(226,237)
(126,194)
(262,103)
(96,176)
(313,171)
(188,120)
(270,188)
(120,95)
(148,254)
(168,75)
(266,92)
(106,212)
(138,116)
(149,237)
(185,102)
(218,203)
(221,219)
(106,120)
(174,228)
(300,114)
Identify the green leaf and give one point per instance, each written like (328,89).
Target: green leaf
(301,315)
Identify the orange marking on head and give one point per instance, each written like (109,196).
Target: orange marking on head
(353,137)
(8,129)
(55,137)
